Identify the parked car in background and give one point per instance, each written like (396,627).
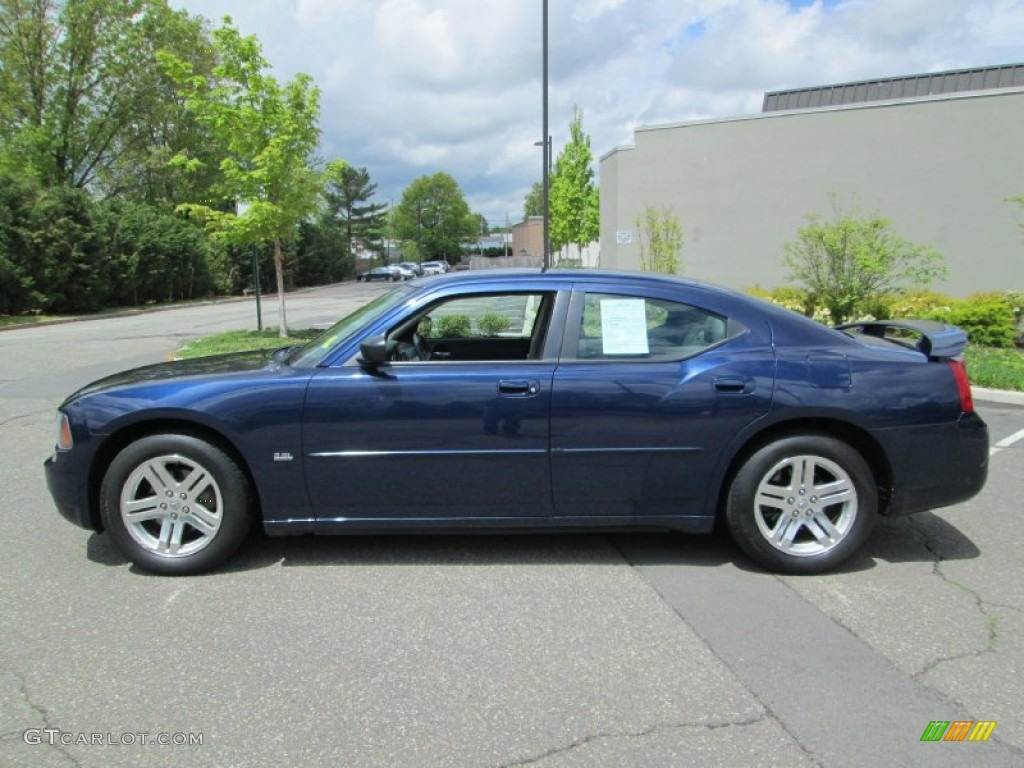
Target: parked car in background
(433,268)
(413,267)
(379,273)
(404,272)
(528,400)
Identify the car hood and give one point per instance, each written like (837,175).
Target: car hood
(200,367)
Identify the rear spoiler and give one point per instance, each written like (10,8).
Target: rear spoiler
(937,339)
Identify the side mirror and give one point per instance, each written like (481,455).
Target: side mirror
(374,351)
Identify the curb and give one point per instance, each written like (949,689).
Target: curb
(1003,396)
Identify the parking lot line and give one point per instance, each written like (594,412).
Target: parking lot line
(1006,442)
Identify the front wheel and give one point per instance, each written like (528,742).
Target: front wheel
(802,504)
(175,504)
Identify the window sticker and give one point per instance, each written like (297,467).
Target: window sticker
(624,327)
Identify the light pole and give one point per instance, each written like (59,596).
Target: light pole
(546,140)
(241,206)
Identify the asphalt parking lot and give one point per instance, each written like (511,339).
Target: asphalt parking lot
(577,650)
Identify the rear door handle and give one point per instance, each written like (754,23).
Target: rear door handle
(734,385)
(518,387)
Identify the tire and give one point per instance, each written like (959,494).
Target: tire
(175,504)
(802,504)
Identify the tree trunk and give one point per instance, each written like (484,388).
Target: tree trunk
(279,273)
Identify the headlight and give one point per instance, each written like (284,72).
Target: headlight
(64,440)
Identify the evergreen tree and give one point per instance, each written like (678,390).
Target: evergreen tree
(348,193)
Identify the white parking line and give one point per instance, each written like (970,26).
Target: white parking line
(1006,442)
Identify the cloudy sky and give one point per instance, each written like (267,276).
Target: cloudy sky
(412,87)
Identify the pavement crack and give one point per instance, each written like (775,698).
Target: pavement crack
(47,719)
(767,711)
(637,734)
(23,416)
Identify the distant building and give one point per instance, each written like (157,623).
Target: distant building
(528,237)
(937,154)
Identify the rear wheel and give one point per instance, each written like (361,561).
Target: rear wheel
(802,504)
(175,504)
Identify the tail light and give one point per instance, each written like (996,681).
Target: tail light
(963,385)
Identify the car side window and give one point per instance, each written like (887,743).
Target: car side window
(476,327)
(617,327)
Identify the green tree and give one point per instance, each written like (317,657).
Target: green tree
(78,82)
(64,251)
(573,199)
(664,235)
(322,254)
(269,133)
(348,193)
(152,254)
(848,261)
(139,168)
(17,282)
(533,204)
(434,219)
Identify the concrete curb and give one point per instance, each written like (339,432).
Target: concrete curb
(1003,396)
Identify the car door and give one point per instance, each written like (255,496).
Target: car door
(444,438)
(649,390)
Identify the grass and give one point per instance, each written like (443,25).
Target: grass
(242,341)
(996,368)
(12,320)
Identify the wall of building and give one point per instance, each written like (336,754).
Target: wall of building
(528,237)
(940,169)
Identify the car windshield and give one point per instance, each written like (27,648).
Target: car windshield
(311,353)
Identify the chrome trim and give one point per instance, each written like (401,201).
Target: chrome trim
(680,449)
(373,454)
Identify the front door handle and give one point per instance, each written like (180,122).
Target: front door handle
(734,385)
(518,387)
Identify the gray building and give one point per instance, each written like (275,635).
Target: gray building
(937,154)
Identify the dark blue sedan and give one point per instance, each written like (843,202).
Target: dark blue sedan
(565,400)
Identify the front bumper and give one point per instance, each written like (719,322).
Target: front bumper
(69,488)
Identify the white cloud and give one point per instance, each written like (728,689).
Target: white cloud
(416,86)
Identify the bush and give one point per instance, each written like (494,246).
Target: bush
(492,324)
(451,326)
(906,304)
(990,319)
(845,263)
(796,299)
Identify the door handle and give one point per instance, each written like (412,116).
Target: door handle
(518,387)
(734,385)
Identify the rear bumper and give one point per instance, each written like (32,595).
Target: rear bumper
(936,465)
(69,490)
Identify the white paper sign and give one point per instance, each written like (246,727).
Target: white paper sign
(624,326)
(623,236)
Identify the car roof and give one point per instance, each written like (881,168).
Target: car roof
(622,277)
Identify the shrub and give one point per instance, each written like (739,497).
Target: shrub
(846,262)
(990,319)
(451,326)
(787,296)
(492,324)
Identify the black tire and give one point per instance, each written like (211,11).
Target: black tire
(802,504)
(175,504)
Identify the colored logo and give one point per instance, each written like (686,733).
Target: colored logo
(958,730)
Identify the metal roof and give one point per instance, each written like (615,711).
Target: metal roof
(896,88)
